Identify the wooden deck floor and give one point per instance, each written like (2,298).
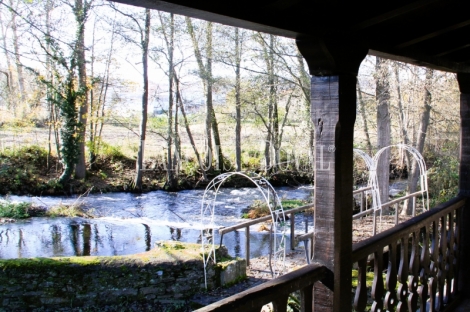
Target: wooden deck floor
(464,306)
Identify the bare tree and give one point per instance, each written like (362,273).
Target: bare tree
(382,91)
(143,33)
(422,132)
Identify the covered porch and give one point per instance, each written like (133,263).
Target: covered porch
(419,264)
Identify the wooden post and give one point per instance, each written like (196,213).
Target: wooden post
(292,231)
(464,182)
(247,245)
(333,109)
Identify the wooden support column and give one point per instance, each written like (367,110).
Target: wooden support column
(333,107)
(464,183)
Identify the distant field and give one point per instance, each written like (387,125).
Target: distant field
(295,141)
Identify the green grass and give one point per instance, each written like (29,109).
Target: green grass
(14,210)
(62,210)
(259,208)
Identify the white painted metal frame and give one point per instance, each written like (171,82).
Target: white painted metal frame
(423,178)
(278,227)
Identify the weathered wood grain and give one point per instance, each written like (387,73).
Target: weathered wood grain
(464,183)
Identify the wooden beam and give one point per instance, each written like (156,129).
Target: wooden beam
(406,9)
(279,5)
(453,50)
(464,182)
(333,114)
(433,34)
(411,57)
(208,11)
(333,108)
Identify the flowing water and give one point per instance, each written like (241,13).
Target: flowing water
(129,223)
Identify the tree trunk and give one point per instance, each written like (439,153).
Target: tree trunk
(143,122)
(10,83)
(401,115)
(305,84)
(382,93)
(49,91)
(210,104)
(19,66)
(276,141)
(188,130)
(362,109)
(207,89)
(238,115)
(172,131)
(423,128)
(80,17)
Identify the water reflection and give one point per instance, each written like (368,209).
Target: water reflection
(148,238)
(130,223)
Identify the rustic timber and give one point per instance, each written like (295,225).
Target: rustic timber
(464,181)
(275,290)
(246,225)
(424,248)
(333,108)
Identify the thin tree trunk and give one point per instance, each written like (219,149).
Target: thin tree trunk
(423,128)
(276,141)
(205,73)
(403,132)
(210,104)
(49,92)
(238,115)
(81,16)
(93,108)
(9,73)
(143,123)
(177,152)
(383,126)
(362,109)
(172,130)
(268,59)
(19,67)
(305,84)
(188,130)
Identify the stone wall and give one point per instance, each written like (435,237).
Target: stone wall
(172,271)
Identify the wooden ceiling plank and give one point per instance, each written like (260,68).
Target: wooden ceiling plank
(453,50)
(433,34)
(393,14)
(424,60)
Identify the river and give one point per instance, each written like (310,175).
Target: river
(129,223)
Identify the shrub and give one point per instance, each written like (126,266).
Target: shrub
(14,210)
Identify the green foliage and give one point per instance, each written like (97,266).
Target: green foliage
(19,169)
(63,210)
(109,151)
(443,176)
(293,302)
(292,203)
(259,208)
(14,210)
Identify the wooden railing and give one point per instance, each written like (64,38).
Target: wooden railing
(394,204)
(362,197)
(275,291)
(246,225)
(421,270)
(422,266)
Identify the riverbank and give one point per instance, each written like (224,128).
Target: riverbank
(30,171)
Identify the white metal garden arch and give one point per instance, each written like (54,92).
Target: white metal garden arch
(208,205)
(423,177)
(372,181)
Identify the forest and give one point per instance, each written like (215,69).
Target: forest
(100,96)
